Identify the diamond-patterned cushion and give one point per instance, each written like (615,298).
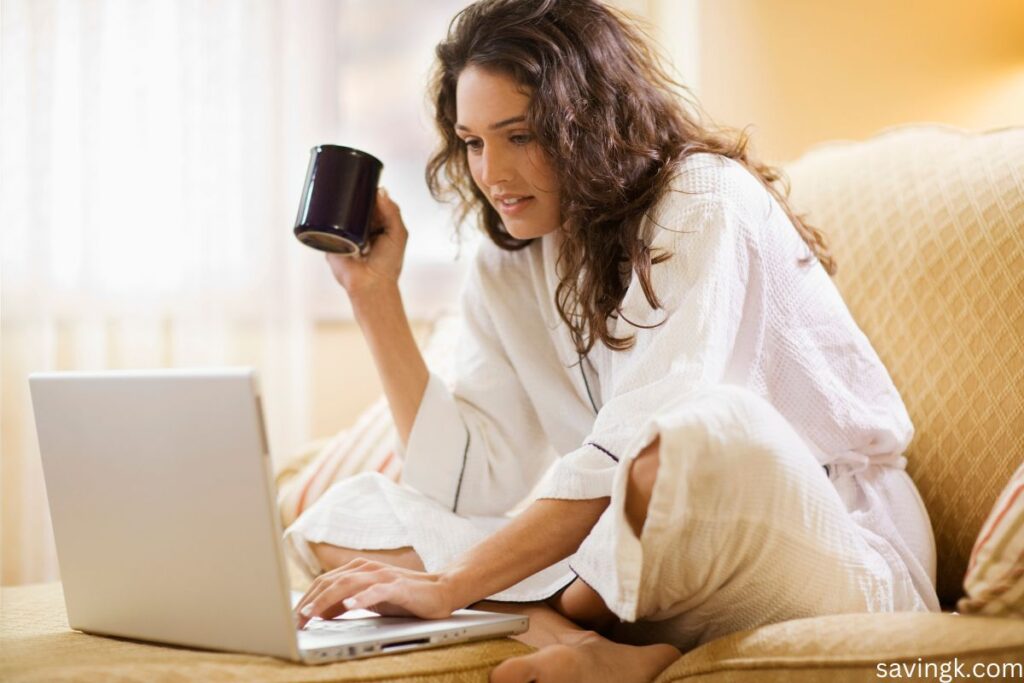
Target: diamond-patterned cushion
(927,227)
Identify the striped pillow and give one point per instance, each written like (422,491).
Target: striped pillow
(995,575)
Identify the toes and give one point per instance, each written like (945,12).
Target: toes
(550,664)
(513,671)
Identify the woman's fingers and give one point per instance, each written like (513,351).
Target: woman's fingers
(319,583)
(377,218)
(374,595)
(408,593)
(383,262)
(390,214)
(399,597)
(331,601)
(323,582)
(376,586)
(314,590)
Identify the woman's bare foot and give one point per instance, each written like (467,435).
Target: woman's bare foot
(586,656)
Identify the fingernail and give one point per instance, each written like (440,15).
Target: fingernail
(349,602)
(306,611)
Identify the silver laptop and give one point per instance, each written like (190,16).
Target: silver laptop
(163,506)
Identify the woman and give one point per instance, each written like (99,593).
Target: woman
(650,329)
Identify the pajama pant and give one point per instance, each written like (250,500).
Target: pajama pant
(744,528)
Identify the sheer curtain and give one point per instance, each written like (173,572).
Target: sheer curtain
(153,153)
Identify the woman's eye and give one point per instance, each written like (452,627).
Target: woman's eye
(521,139)
(473,144)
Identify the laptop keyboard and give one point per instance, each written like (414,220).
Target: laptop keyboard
(339,626)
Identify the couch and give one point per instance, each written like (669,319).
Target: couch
(927,225)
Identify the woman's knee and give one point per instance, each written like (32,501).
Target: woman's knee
(643,470)
(731,427)
(581,604)
(720,442)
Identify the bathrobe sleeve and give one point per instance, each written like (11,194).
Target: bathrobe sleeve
(703,290)
(477,447)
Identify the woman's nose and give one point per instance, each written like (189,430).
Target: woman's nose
(494,168)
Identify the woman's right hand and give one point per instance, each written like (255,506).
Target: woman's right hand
(385,589)
(383,264)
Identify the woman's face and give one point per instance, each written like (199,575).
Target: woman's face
(505,161)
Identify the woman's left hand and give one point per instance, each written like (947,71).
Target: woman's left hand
(382,588)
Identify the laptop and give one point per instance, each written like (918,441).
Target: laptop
(164,513)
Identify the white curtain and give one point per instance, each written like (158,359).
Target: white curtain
(153,153)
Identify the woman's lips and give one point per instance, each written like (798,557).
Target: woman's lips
(516,208)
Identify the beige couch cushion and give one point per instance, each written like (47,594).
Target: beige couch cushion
(927,226)
(849,647)
(38,647)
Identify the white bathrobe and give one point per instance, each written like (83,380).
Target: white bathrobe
(754,352)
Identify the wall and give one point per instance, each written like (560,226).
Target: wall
(345,379)
(805,71)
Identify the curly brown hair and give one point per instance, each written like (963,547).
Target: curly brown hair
(600,100)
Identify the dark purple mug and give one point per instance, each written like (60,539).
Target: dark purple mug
(337,200)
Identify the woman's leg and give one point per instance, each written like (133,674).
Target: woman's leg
(568,651)
(742,528)
(581,604)
(332,556)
